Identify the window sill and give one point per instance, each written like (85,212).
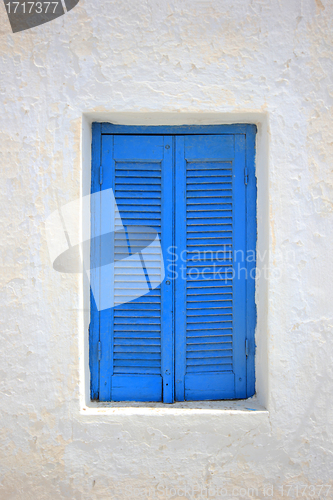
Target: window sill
(250,406)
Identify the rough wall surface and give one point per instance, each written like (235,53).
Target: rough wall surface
(264,56)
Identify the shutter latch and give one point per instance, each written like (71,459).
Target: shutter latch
(246,348)
(99,350)
(246,176)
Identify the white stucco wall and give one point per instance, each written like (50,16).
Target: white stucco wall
(268,62)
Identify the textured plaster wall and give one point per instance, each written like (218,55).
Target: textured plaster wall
(271,59)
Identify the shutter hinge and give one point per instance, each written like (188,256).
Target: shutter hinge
(99,350)
(246,348)
(246,176)
(101,174)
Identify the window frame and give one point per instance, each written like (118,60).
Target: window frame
(249,131)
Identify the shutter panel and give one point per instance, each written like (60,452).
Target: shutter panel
(210,302)
(138,330)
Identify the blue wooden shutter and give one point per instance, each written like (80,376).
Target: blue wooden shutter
(210,197)
(210,302)
(136,337)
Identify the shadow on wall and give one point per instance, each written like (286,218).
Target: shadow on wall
(24,15)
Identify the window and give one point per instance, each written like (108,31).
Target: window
(191,337)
